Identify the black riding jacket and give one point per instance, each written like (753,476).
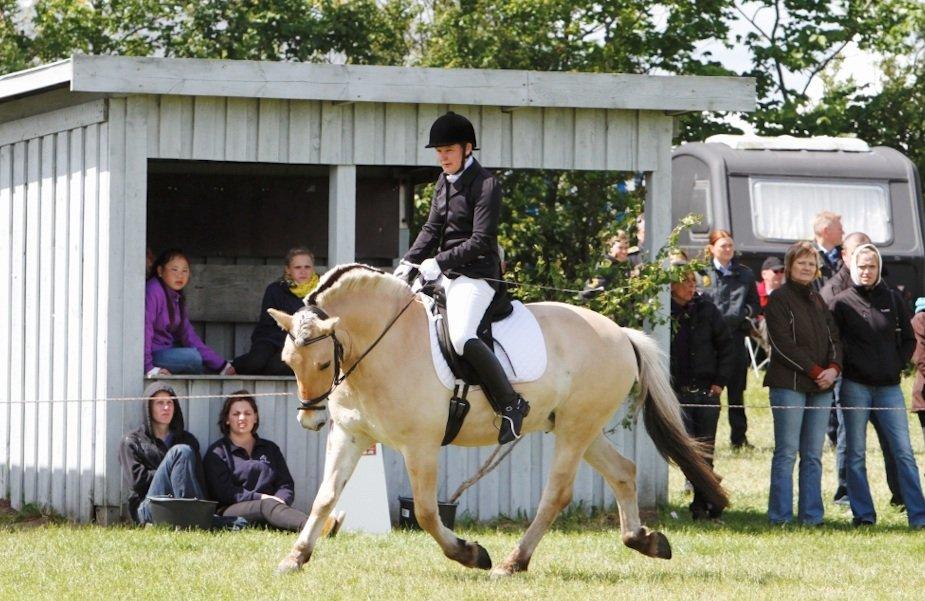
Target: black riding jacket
(463,226)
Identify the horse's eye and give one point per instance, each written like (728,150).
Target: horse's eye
(324,365)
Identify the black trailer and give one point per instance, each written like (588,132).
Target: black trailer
(766,191)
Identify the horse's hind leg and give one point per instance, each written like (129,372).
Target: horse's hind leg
(620,473)
(422,471)
(557,494)
(341,456)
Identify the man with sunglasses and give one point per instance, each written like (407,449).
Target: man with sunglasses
(772,276)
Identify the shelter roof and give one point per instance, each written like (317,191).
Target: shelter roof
(119,75)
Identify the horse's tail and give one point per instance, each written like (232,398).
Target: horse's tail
(662,417)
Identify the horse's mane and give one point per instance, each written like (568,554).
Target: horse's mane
(355,276)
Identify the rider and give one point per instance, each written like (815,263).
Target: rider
(463,228)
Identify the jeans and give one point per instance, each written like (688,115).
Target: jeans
(895,425)
(175,476)
(178,360)
(798,430)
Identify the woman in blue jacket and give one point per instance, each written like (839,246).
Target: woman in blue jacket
(248,475)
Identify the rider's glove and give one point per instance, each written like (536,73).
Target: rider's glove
(430,269)
(402,271)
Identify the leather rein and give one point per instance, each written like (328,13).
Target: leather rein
(338,378)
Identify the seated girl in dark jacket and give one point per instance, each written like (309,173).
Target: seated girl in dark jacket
(248,475)
(286,294)
(160,458)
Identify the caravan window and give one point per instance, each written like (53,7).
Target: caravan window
(783,209)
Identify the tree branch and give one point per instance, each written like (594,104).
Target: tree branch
(822,66)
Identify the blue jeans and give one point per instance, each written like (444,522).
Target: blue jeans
(175,476)
(178,360)
(895,426)
(799,430)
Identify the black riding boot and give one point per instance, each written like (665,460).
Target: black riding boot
(508,404)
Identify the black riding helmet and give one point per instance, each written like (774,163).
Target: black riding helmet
(451,129)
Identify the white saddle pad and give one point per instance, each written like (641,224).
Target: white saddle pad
(519,345)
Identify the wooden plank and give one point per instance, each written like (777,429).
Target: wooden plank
(240,121)
(89,329)
(74,320)
(304,131)
(427,114)
(209,128)
(17,327)
(240,299)
(6,317)
(296,449)
(401,133)
(170,134)
(507,140)
(37,78)
(220,336)
(369,141)
(198,414)
(519,461)
(51,122)
(621,140)
(268,116)
(242,337)
(332,130)
(152,106)
(46,292)
(363,83)
(490,137)
(647,135)
(590,133)
(342,215)
(527,142)
(31,320)
(558,132)
(60,309)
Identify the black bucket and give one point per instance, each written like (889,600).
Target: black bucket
(407,520)
(182,513)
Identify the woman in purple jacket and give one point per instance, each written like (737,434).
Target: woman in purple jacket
(171,343)
(248,475)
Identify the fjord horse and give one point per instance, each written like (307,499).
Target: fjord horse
(370,326)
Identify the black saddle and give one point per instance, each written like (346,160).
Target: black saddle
(499,309)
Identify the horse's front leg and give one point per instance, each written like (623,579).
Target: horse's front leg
(422,471)
(343,451)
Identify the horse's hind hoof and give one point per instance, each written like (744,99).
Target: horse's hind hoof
(653,544)
(288,566)
(501,572)
(483,562)
(662,546)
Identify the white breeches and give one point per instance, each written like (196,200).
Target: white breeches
(467,299)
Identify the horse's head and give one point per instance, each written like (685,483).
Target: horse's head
(310,352)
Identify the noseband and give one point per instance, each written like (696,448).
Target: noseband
(338,378)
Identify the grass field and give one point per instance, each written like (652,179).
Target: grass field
(582,558)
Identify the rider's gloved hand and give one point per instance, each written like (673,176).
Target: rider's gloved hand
(402,271)
(430,269)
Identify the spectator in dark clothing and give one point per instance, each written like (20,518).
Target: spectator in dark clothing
(838,283)
(805,361)
(286,294)
(878,343)
(918,358)
(829,232)
(160,458)
(613,268)
(772,276)
(248,475)
(731,286)
(701,363)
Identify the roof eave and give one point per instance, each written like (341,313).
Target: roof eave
(37,79)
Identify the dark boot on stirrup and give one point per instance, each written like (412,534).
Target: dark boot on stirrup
(508,404)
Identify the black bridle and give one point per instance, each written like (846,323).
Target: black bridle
(338,378)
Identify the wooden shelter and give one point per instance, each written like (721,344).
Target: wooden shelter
(98,152)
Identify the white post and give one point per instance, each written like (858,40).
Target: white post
(342,214)
(652,470)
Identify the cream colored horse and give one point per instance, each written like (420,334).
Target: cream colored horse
(394,397)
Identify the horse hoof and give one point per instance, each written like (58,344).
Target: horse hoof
(501,572)
(652,544)
(662,546)
(483,562)
(288,566)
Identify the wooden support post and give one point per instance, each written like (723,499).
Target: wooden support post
(342,214)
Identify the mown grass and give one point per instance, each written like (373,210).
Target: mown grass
(582,558)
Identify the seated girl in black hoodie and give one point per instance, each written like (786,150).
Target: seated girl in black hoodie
(160,457)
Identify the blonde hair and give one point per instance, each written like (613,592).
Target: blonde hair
(797,250)
(824,220)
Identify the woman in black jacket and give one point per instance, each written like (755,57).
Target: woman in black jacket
(878,342)
(702,358)
(286,294)
(462,229)
(732,288)
(160,458)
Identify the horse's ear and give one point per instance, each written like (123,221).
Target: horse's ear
(283,319)
(326,326)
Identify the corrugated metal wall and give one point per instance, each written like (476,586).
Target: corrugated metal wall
(370,133)
(51,192)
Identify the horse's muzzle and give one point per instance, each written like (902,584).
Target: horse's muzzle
(312,419)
